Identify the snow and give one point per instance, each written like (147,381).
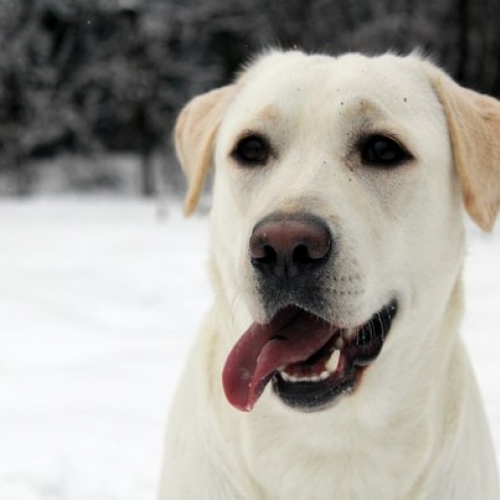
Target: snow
(100,299)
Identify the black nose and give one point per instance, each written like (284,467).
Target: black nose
(290,247)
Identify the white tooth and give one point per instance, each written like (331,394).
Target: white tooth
(339,343)
(296,378)
(333,362)
(349,333)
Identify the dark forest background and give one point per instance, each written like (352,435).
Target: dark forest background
(96,78)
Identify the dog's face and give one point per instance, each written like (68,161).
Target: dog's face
(336,218)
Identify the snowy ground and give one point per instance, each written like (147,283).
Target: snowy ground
(99,301)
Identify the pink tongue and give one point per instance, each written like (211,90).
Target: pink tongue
(291,337)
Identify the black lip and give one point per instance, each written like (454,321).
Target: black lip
(357,354)
(312,396)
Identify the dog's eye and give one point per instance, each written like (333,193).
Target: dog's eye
(379,150)
(252,150)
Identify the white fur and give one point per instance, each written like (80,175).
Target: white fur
(415,428)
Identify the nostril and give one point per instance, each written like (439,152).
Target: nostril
(313,246)
(301,255)
(263,254)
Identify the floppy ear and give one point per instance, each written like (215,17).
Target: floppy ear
(195,132)
(474,125)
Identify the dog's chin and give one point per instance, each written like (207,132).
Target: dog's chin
(309,362)
(336,369)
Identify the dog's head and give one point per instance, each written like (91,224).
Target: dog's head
(336,211)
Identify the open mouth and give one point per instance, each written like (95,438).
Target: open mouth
(309,361)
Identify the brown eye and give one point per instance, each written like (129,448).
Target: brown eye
(382,151)
(252,150)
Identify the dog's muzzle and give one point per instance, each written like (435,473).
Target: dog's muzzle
(310,360)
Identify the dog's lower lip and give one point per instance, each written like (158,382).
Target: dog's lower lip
(309,387)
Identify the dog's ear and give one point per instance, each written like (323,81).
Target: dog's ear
(474,125)
(195,131)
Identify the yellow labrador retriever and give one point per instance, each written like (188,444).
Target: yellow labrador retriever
(330,366)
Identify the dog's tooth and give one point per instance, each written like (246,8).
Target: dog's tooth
(348,334)
(339,343)
(304,378)
(333,362)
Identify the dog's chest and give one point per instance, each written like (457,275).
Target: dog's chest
(307,460)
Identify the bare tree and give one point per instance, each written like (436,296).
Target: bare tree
(112,74)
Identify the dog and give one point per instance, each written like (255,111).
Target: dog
(330,365)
